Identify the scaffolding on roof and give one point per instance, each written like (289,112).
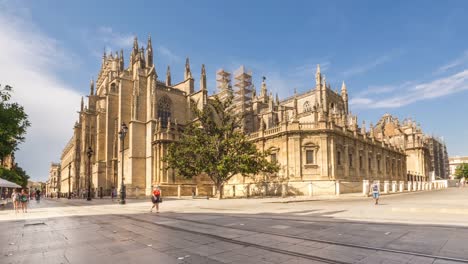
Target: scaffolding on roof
(223,83)
(243,83)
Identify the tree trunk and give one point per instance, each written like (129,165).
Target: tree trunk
(220,190)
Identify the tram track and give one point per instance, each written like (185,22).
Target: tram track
(371,250)
(287,252)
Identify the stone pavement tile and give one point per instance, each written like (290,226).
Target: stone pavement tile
(230,257)
(455,247)
(124,246)
(421,260)
(345,255)
(313,244)
(206,250)
(273,257)
(146,255)
(225,245)
(386,258)
(439,261)
(419,242)
(298,248)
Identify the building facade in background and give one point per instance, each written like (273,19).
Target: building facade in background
(311,135)
(426,156)
(53,181)
(454,162)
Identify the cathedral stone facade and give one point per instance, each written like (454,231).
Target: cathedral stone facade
(312,135)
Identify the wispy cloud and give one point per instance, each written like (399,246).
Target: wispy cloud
(113,39)
(166,52)
(463,59)
(30,61)
(409,92)
(364,67)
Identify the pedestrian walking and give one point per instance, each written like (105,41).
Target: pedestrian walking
(156,199)
(462,182)
(15,199)
(113,193)
(375,192)
(24,198)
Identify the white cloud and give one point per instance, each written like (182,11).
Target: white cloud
(463,59)
(409,92)
(171,56)
(114,40)
(362,68)
(29,61)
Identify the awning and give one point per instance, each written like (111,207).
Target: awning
(8,184)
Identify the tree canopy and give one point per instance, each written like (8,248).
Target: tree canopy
(13,123)
(461,171)
(16,175)
(215,145)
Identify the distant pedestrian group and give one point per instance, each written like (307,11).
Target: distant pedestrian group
(20,200)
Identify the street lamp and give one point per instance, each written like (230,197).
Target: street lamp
(69,168)
(122,134)
(90,153)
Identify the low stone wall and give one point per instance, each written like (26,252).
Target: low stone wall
(295,188)
(350,187)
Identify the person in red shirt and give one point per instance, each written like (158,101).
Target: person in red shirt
(156,198)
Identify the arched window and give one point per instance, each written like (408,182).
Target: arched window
(307,107)
(164,110)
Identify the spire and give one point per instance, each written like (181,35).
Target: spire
(104,57)
(135,44)
(91,87)
(121,59)
(168,76)
(188,73)
(343,89)
(277,99)
(318,77)
(149,52)
(263,91)
(82,104)
(203,78)
(344,96)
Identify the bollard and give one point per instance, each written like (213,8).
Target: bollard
(394,186)
(178,191)
(386,185)
(365,187)
(337,187)
(410,186)
(402,186)
(310,188)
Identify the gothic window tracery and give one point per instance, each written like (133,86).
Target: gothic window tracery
(164,110)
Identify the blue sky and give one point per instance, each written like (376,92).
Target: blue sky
(407,58)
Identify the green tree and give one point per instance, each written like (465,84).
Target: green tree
(16,175)
(13,123)
(214,145)
(461,171)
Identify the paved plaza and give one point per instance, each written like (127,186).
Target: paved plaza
(422,227)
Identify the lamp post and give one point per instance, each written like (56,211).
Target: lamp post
(90,153)
(122,134)
(69,168)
